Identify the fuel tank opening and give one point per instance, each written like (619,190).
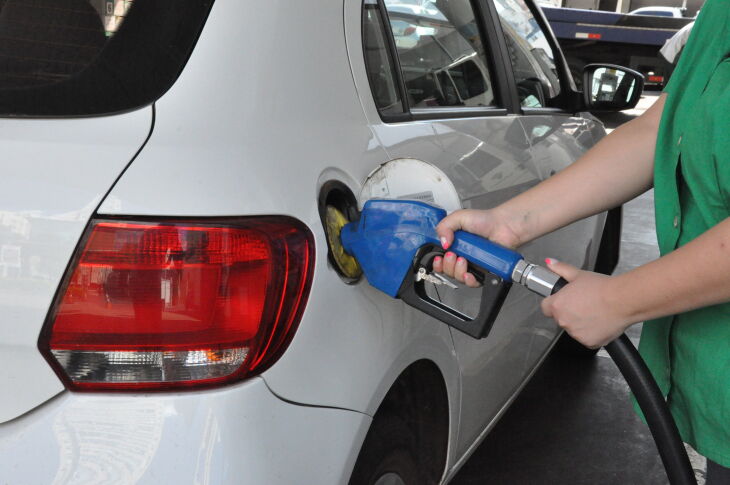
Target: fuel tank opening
(338,207)
(335,220)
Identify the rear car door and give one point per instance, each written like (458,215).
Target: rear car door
(494,371)
(442,89)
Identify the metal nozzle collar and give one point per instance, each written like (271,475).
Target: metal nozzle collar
(535,278)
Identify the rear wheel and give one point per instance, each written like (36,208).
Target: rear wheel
(388,455)
(408,437)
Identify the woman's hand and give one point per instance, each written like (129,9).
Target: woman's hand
(585,308)
(490,224)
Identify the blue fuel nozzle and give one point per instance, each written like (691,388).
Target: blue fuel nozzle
(390,233)
(393,239)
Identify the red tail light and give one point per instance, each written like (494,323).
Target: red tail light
(178,304)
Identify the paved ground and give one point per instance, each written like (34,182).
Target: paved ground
(573,423)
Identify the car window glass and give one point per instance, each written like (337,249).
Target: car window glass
(442,56)
(48,41)
(379,62)
(532,58)
(86,57)
(655,13)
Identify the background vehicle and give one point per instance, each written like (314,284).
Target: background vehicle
(675,12)
(169,311)
(632,40)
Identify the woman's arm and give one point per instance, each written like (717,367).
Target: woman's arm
(594,309)
(615,170)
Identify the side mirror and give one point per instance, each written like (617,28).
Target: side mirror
(607,87)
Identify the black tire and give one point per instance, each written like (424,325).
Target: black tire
(389,451)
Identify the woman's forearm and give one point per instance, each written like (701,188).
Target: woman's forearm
(694,276)
(595,308)
(617,169)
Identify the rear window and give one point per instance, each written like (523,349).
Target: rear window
(91,57)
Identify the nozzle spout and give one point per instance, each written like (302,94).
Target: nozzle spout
(535,278)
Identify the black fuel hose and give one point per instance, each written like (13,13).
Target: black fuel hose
(653,405)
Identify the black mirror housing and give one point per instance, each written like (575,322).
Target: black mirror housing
(608,87)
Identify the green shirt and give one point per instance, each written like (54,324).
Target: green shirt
(689,354)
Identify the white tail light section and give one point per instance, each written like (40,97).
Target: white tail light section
(178,304)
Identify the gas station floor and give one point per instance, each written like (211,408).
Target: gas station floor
(573,423)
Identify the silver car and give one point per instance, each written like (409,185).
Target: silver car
(170,309)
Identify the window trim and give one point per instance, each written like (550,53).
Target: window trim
(399,83)
(498,80)
(393,53)
(544,111)
(569,99)
(495,50)
(446,112)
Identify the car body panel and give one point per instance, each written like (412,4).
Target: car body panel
(56,174)
(227,129)
(231,435)
(244,162)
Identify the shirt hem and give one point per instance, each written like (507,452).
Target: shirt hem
(708,452)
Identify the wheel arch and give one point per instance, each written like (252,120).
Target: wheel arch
(418,398)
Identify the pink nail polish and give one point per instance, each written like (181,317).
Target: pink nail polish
(444,243)
(548,261)
(460,260)
(437,259)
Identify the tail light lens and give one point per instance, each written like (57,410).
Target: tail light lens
(178,304)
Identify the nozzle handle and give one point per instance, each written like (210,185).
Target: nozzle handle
(490,262)
(485,254)
(494,291)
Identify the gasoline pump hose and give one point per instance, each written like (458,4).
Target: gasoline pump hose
(651,401)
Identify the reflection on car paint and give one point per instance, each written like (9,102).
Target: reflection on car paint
(107,441)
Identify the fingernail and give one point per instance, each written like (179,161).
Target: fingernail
(444,243)
(449,255)
(437,259)
(460,260)
(550,261)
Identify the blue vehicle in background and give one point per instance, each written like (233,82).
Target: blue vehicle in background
(632,40)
